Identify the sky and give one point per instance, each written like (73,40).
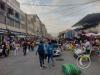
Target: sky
(59,15)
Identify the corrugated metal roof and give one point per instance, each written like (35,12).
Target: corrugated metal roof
(91,19)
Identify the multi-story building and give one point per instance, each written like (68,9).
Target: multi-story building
(37,25)
(44,30)
(23,22)
(30,24)
(13,19)
(11,16)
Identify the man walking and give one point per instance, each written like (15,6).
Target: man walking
(50,54)
(25,47)
(41,53)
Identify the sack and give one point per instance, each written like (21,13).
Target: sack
(79,51)
(41,49)
(70,69)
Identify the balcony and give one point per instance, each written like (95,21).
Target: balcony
(13,17)
(10,22)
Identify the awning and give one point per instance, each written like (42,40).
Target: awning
(2,31)
(89,20)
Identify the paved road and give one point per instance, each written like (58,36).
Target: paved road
(28,65)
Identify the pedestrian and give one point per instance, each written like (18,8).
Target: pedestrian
(88,46)
(50,54)
(32,46)
(14,48)
(25,47)
(4,47)
(41,53)
(45,48)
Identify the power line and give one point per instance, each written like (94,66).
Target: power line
(77,4)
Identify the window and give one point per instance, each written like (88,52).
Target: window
(10,11)
(17,15)
(2,5)
(23,18)
(17,24)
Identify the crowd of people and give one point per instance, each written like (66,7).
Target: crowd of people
(13,47)
(90,44)
(44,47)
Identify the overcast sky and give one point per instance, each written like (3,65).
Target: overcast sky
(59,15)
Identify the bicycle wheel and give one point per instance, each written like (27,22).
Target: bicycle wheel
(83,61)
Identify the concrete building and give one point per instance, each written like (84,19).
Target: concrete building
(11,16)
(37,25)
(43,30)
(13,19)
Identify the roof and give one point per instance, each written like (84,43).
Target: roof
(90,20)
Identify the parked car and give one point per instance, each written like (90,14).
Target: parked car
(57,52)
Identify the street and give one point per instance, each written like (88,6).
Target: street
(29,65)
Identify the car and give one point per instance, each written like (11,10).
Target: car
(57,52)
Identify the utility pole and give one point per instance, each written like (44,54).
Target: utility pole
(6,14)
(26,25)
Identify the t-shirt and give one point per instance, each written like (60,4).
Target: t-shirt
(45,48)
(88,45)
(50,49)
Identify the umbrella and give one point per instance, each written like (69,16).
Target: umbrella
(90,34)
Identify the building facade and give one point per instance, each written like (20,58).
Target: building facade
(30,25)
(11,16)
(43,30)
(13,19)
(37,25)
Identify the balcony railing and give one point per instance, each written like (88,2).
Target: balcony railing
(13,17)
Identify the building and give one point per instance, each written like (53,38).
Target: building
(35,26)
(15,21)
(90,23)
(38,26)
(11,17)
(30,25)
(23,22)
(43,30)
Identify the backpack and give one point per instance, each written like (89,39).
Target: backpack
(41,49)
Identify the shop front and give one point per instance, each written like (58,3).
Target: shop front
(2,32)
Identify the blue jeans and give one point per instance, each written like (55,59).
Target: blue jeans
(50,58)
(41,59)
